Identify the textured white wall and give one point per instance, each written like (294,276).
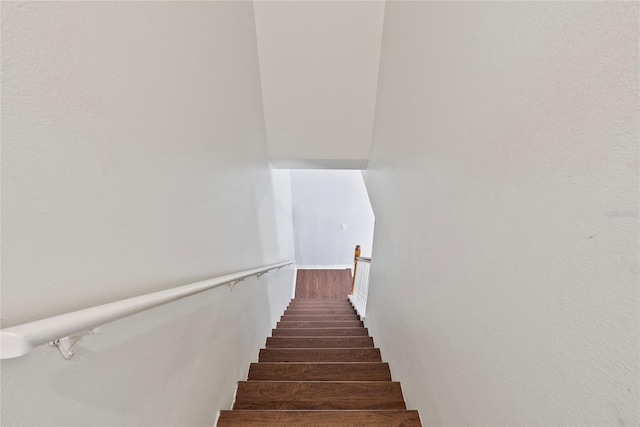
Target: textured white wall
(322,202)
(504,178)
(134,160)
(319,68)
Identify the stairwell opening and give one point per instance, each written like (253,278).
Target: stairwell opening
(332,214)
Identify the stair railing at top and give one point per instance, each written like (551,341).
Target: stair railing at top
(360,284)
(65,330)
(355,268)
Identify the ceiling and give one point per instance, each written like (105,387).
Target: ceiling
(319,70)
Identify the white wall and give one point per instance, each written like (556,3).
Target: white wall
(504,178)
(319,69)
(324,200)
(134,160)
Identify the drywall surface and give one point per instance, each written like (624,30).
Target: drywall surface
(504,179)
(134,160)
(325,202)
(319,69)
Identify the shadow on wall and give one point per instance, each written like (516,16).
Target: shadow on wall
(272,202)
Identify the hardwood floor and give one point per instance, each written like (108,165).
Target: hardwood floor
(323,284)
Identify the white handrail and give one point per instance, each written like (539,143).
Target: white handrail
(19,340)
(364,259)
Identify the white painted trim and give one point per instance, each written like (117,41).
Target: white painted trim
(235,395)
(295,281)
(357,305)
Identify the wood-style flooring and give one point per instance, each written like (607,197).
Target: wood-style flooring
(323,284)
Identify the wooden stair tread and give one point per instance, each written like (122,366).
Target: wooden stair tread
(319,368)
(306,306)
(326,303)
(318,318)
(319,395)
(347,418)
(322,324)
(318,332)
(312,301)
(319,371)
(312,311)
(319,355)
(319,342)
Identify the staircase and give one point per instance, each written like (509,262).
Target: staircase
(319,368)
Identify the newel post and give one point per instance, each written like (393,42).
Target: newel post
(355,268)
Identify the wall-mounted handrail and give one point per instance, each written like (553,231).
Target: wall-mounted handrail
(19,340)
(363,259)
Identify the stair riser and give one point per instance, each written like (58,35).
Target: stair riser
(319,372)
(324,324)
(330,342)
(318,318)
(319,368)
(320,355)
(319,332)
(320,307)
(318,395)
(320,302)
(257,418)
(298,301)
(319,312)
(313,404)
(330,305)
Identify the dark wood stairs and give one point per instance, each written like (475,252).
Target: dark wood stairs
(319,368)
